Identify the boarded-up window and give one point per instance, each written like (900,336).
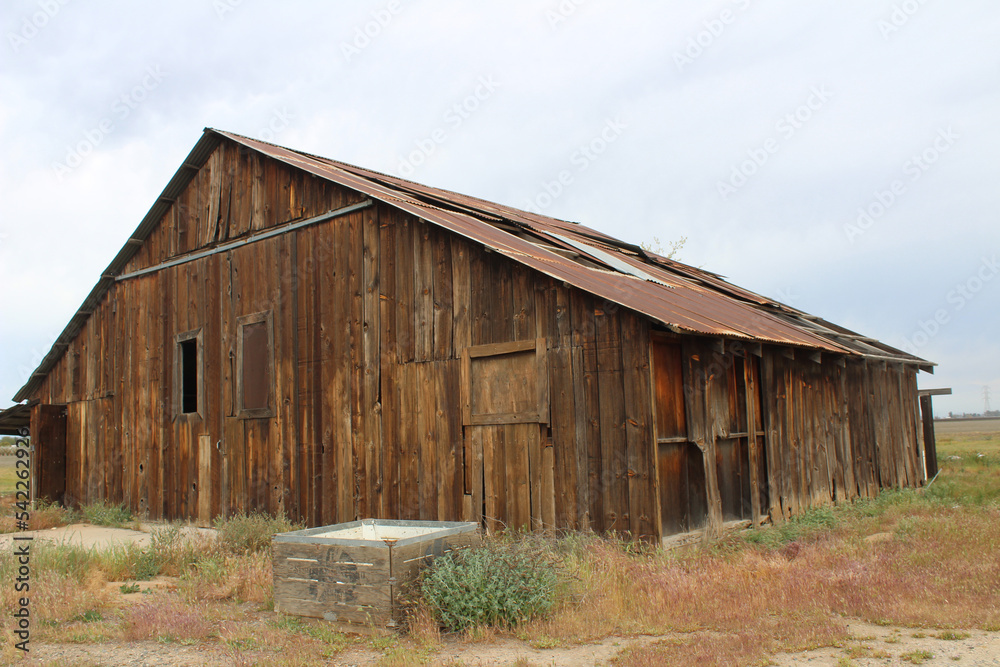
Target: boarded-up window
(506,383)
(255,370)
(188,373)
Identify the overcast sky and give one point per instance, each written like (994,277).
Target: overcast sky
(838,155)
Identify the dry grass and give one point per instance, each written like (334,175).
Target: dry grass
(43,516)
(220,599)
(423,628)
(167,619)
(245,578)
(282,640)
(789,589)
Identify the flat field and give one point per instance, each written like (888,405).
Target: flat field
(8,475)
(955,427)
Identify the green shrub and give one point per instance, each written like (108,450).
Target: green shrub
(496,584)
(101,514)
(246,533)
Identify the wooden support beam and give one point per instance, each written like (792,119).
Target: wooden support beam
(930,444)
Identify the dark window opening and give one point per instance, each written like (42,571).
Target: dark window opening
(189,375)
(256,366)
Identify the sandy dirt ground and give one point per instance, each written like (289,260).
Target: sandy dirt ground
(81,534)
(88,535)
(872,646)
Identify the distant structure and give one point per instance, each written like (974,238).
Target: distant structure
(986,400)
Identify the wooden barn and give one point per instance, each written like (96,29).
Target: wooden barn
(287,333)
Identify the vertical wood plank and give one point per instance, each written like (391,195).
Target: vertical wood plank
(612,416)
(461,295)
(479,299)
(475,461)
(518,439)
(443,296)
(752,392)
(639,434)
(576,309)
(404,287)
(293,451)
(388,365)
(536,476)
(356,351)
(205,480)
(448,439)
(329,307)
(427,422)
(548,499)
(372,328)
(495,487)
(342,326)
(566,441)
(523,303)
(409,456)
(423,292)
(501,299)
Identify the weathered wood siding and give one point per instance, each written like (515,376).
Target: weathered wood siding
(774,433)
(838,433)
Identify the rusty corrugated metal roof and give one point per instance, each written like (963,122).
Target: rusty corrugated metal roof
(680,297)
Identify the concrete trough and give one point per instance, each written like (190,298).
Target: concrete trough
(358,574)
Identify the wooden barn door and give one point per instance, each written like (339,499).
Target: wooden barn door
(712,464)
(507,455)
(49,461)
(680,463)
(737,450)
